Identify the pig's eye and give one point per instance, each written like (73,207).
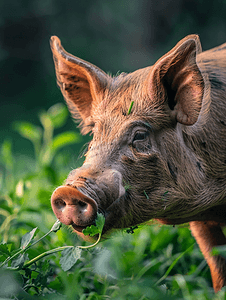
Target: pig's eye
(139,137)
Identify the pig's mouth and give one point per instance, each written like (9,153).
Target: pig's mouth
(78,207)
(78,228)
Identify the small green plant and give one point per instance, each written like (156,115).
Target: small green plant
(70,254)
(44,142)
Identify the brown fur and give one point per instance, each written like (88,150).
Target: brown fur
(177,172)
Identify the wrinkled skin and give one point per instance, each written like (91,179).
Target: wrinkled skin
(166,159)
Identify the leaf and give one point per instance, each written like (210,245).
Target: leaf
(19,261)
(27,238)
(56,226)
(100,222)
(69,257)
(130,108)
(6,154)
(93,230)
(64,139)
(45,121)
(4,250)
(28,131)
(58,114)
(146,195)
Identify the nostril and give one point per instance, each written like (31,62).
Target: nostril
(60,204)
(82,204)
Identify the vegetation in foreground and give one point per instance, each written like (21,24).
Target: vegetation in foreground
(148,262)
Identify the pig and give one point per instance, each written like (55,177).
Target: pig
(158,149)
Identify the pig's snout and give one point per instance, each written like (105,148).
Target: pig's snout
(72,207)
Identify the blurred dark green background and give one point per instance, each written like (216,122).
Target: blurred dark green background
(119,35)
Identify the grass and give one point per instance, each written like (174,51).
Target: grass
(148,262)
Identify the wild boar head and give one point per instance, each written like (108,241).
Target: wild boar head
(138,165)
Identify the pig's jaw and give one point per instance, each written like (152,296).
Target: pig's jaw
(113,221)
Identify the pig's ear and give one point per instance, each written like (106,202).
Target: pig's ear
(175,79)
(81,83)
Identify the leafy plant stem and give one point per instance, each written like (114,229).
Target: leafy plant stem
(91,246)
(11,257)
(30,262)
(58,250)
(37,148)
(48,129)
(29,246)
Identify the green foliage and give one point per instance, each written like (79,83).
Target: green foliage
(154,262)
(45,144)
(93,230)
(69,257)
(25,241)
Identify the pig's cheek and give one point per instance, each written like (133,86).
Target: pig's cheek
(116,213)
